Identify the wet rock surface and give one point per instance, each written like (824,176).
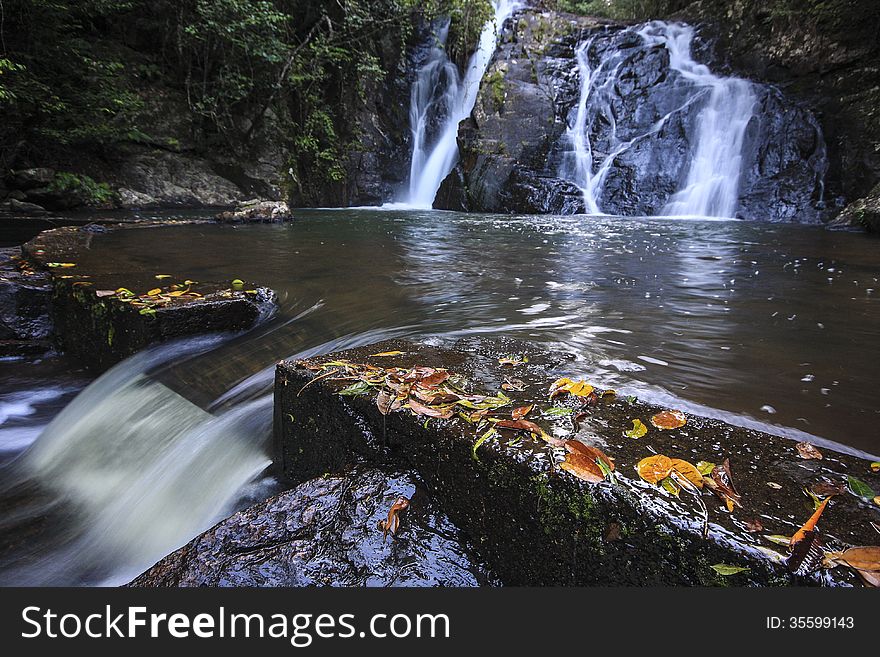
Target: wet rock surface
(106,310)
(863,213)
(256,211)
(514,502)
(324,533)
(25,303)
(529,95)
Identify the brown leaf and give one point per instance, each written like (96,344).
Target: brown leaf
(866,558)
(668,420)
(808,451)
(754,525)
(583,467)
(520,425)
(392,524)
(722,485)
(384,402)
(828,488)
(589,452)
(420,409)
(521,412)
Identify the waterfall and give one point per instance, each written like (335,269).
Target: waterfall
(711,188)
(726,105)
(439,93)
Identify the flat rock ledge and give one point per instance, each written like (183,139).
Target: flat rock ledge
(102,312)
(536,524)
(324,533)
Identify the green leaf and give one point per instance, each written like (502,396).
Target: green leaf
(149,312)
(358,388)
(556,411)
(860,489)
(491,432)
(705,468)
(726,570)
(779,539)
(639,429)
(670,486)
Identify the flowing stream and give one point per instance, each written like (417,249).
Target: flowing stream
(441,96)
(761,325)
(726,105)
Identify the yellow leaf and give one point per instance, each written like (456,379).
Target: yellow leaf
(688,471)
(638,430)
(161,276)
(388,353)
(154,292)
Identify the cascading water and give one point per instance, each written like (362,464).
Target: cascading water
(712,184)
(439,93)
(725,107)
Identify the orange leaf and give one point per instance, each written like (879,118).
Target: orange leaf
(668,420)
(576,446)
(521,412)
(582,467)
(654,468)
(688,471)
(808,451)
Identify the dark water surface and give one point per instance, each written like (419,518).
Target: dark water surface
(775,323)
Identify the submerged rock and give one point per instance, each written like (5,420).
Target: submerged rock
(324,533)
(25,301)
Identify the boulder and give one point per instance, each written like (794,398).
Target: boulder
(256,211)
(25,208)
(325,532)
(25,300)
(30,178)
(863,213)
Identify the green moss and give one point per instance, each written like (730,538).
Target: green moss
(497,88)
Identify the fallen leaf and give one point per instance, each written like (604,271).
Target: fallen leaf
(162,276)
(420,409)
(385,401)
(154,292)
(727,570)
(62,265)
(808,451)
(826,488)
(104,293)
(491,432)
(779,539)
(577,388)
(591,452)
(392,524)
(688,471)
(520,425)
(582,467)
(608,393)
(513,359)
(875,466)
(774,485)
(358,388)
(705,467)
(387,353)
(668,420)
(754,525)
(638,430)
(859,488)
(720,482)
(864,560)
(810,525)
(521,412)
(556,411)
(654,468)
(513,384)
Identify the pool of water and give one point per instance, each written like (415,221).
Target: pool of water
(772,323)
(769,326)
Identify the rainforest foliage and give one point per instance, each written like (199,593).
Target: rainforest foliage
(76,73)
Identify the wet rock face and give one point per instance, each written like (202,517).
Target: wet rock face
(25,301)
(256,211)
(513,148)
(324,533)
(862,213)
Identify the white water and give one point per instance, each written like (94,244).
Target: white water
(144,469)
(712,183)
(431,163)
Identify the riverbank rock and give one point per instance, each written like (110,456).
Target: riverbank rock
(324,533)
(104,312)
(642,113)
(25,301)
(14,206)
(256,211)
(863,213)
(528,503)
